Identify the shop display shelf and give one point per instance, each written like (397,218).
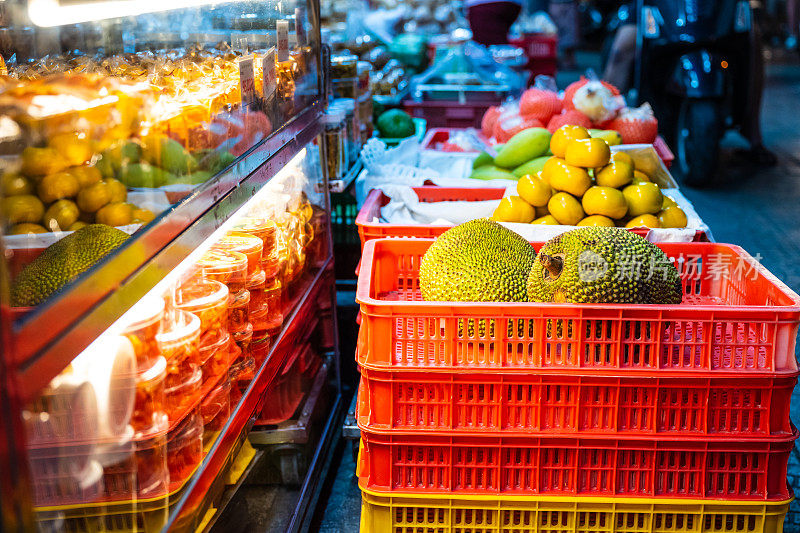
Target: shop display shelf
(601,466)
(50,336)
(526,514)
(298,312)
(689,406)
(736,319)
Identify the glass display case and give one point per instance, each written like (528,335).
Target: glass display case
(166,243)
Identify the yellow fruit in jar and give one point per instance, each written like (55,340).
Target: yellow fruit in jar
(26,228)
(93,197)
(143,216)
(61,215)
(643,221)
(534,190)
(622,157)
(78,225)
(643,199)
(672,217)
(14,184)
(566,209)
(606,201)
(547,220)
(568,178)
(22,208)
(615,174)
(514,209)
(115,214)
(74,148)
(668,202)
(117,189)
(42,161)
(588,153)
(597,220)
(563,136)
(85,175)
(57,186)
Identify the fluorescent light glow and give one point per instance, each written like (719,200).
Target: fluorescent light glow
(50,13)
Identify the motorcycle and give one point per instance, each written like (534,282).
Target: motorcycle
(692,65)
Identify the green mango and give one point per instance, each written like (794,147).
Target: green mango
(531,167)
(168,154)
(483,159)
(195,178)
(144,175)
(491,172)
(524,146)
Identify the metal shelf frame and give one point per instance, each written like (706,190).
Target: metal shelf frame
(49,337)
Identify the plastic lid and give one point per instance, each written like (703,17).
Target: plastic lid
(222,261)
(201,294)
(256,226)
(182,328)
(344,59)
(207,351)
(145,312)
(333,116)
(240,299)
(239,241)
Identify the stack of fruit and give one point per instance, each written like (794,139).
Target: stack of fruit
(583,184)
(588,103)
(573,389)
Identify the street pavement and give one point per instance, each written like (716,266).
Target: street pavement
(755,207)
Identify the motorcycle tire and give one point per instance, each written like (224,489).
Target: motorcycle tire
(699,129)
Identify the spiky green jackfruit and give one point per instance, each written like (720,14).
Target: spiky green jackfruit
(603,265)
(61,262)
(478,261)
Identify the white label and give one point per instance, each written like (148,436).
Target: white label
(270,81)
(283,40)
(299,26)
(247,80)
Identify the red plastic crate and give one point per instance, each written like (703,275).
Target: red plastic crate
(478,465)
(448,403)
(370,227)
(445,114)
(743,320)
(542,52)
(663,151)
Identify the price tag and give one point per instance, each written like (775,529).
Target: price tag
(270,81)
(247,80)
(283,40)
(300,26)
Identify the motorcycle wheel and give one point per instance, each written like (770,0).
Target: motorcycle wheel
(699,129)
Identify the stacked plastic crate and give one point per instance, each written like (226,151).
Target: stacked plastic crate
(526,418)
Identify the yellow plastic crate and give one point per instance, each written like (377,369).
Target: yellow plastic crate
(429,513)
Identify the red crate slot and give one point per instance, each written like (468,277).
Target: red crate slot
(478,465)
(732,320)
(524,404)
(370,226)
(537,45)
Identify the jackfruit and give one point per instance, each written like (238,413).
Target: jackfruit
(62,262)
(603,265)
(478,261)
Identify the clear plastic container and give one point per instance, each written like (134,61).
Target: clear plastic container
(183,393)
(150,465)
(352,128)
(239,312)
(142,332)
(215,359)
(255,286)
(216,409)
(242,339)
(335,147)
(241,374)
(149,400)
(179,340)
(268,319)
(52,485)
(184,449)
(226,266)
(260,350)
(267,231)
(345,87)
(208,299)
(249,245)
